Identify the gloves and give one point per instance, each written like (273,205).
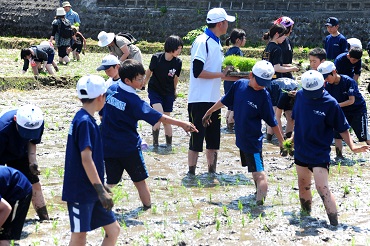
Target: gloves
(34,168)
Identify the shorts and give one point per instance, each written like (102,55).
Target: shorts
(211,133)
(253,161)
(84,217)
(285,101)
(62,51)
(274,90)
(165,101)
(133,163)
(311,166)
(50,58)
(77,47)
(227,87)
(358,122)
(22,165)
(12,228)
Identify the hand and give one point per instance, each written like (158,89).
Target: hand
(227,70)
(189,127)
(104,197)
(34,168)
(206,120)
(283,152)
(359,149)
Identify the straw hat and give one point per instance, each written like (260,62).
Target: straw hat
(105,38)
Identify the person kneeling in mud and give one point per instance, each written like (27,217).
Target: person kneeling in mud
(248,115)
(316,114)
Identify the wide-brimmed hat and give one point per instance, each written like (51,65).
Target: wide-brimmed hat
(105,38)
(60,12)
(66,4)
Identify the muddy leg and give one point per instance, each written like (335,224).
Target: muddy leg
(38,202)
(260,180)
(192,161)
(155,137)
(304,186)
(211,160)
(305,207)
(144,193)
(169,141)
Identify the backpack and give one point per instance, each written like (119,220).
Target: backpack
(128,36)
(65,30)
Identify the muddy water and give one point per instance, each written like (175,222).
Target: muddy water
(204,209)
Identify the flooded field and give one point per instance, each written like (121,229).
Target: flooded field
(203,209)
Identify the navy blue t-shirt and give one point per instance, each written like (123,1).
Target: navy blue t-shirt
(236,51)
(315,120)
(335,46)
(341,92)
(13,184)
(12,145)
(250,107)
(122,111)
(344,66)
(83,132)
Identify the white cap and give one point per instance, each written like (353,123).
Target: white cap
(312,84)
(29,120)
(216,15)
(325,68)
(108,61)
(90,87)
(105,38)
(354,42)
(263,71)
(60,12)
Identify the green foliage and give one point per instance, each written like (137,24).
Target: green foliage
(193,34)
(163,9)
(240,63)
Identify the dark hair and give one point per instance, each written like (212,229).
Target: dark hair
(25,52)
(319,53)
(172,43)
(130,69)
(234,35)
(211,25)
(288,29)
(87,100)
(276,28)
(355,52)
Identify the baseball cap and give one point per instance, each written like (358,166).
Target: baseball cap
(312,84)
(263,72)
(216,15)
(332,21)
(90,87)
(285,21)
(354,42)
(108,61)
(326,68)
(29,120)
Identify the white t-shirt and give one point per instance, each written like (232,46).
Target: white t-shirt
(205,90)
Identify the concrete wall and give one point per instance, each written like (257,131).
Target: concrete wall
(154,20)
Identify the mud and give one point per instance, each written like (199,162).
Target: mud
(201,209)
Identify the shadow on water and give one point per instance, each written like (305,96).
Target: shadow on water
(207,180)
(129,217)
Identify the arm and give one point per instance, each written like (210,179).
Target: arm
(175,81)
(125,51)
(26,64)
(350,101)
(356,77)
(148,74)
(355,148)
(279,135)
(32,159)
(83,39)
(282,69)
(206,120)
(92,174)
(55,29)
(5,210)
(199,72)
(187,126)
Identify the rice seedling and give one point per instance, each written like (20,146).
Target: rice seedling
(339,169)
(165,204)
(191,201)
(54,224)
(154,209)
(218,224)
(225,211)
(36,243)
(215,212)
(47,173)
(346,190)
(199,213)
(55,240)
(145,239)
(240,206)
(210,197)
(243,221)
(37,226)
(158,236)
(278,190)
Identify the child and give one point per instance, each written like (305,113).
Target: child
(316,57)
(121,142)
(252,103)
(89,204)
(312,140)
(345,90)
(15,199)
(349,63)
(79,41)
(37,54)
(335,43)
(110,64)
(238,39)
(164,71)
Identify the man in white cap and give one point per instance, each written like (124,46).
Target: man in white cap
(20,131)
(204,89)
(248,115)
(71,15)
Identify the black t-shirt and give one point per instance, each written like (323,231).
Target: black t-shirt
(273,54)
(287,51)
(163,73)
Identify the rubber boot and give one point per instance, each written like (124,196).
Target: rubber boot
(169,141)
(155,137)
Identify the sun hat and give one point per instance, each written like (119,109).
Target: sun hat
(107,62)
(263,71)
(332,21)
(105,38)
(29,120)
(90,87)
(60,12)
(66,4)
(326,68)
(312,84)
(285,21)
(216,15)
(354,42)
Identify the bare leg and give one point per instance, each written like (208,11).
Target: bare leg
(289,123)
(38,201)
(144,193)
(156,127)
(211,160)
(339,148)
(66,59)
(260,179)
(192,160)
(304,186)
(35,70)
(111,234)
(77,239)
(4,242)
(49,69)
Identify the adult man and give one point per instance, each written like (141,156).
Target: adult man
(71,15)
(204,89)
(20,131)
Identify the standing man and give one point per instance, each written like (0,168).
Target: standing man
(204,89)
(71,15)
